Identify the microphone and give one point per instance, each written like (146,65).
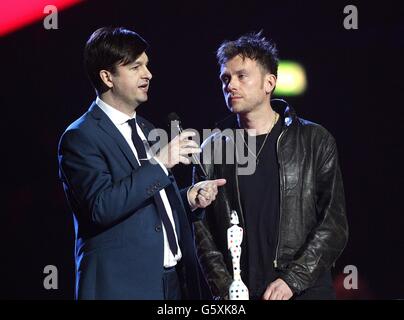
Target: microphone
(173,117)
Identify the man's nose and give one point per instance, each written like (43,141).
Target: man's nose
(148,74)
(230,86)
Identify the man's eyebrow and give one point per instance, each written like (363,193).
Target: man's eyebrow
(226,73)
(138,61)
(241,71)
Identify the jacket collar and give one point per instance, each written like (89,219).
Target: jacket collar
(116,116)
(279,105)
(283,108)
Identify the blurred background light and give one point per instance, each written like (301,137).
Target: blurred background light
(292,79)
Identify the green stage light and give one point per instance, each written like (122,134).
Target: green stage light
(291,79)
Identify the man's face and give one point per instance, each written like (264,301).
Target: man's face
(131,81)
(243,84)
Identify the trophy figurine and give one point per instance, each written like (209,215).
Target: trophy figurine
(238,290)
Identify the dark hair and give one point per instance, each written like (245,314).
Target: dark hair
(253,46)
(108,47)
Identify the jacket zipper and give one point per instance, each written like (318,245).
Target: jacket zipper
(281,177)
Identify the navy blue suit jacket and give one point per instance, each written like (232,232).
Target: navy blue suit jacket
(119,238)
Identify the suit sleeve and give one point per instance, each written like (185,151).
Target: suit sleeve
(87,177)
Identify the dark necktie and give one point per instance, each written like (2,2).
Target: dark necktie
(140,146)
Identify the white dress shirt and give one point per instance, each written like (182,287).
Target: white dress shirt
(120,120)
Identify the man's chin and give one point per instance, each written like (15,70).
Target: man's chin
(236,109)
(143,99)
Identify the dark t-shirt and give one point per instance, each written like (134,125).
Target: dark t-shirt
(260,202)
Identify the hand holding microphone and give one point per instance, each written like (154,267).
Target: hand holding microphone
(203,193)
(174,119)
(177,150)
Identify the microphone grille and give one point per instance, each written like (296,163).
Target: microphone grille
(173,117)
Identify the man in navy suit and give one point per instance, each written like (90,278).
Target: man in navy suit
(133,226)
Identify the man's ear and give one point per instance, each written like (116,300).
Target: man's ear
(106,77)
(270,83)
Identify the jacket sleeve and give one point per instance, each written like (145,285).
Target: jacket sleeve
(86,176)
(210,258)
(327,240)
(212,263)
(195,215)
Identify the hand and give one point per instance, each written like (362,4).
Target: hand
(178,149)
(277,290)
(204,193)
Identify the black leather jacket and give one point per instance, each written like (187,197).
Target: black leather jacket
(313,228)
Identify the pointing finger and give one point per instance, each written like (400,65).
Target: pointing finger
(220,182)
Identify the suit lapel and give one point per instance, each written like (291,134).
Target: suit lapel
(146,129)
(108,127)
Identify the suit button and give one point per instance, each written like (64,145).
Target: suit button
(157,228)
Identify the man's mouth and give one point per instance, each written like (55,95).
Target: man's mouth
(144,87)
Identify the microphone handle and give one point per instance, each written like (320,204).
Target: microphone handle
(196,160)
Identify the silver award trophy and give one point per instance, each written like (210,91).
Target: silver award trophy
(238,290)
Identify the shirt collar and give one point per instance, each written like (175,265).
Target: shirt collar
(116,116)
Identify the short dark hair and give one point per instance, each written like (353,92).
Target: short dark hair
(108,47)
(253,46)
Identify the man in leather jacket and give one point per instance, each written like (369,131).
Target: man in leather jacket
(292,208)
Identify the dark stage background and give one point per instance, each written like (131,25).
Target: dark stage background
(354,90)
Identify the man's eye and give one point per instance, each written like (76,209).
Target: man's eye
(135,67)
(241,76)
